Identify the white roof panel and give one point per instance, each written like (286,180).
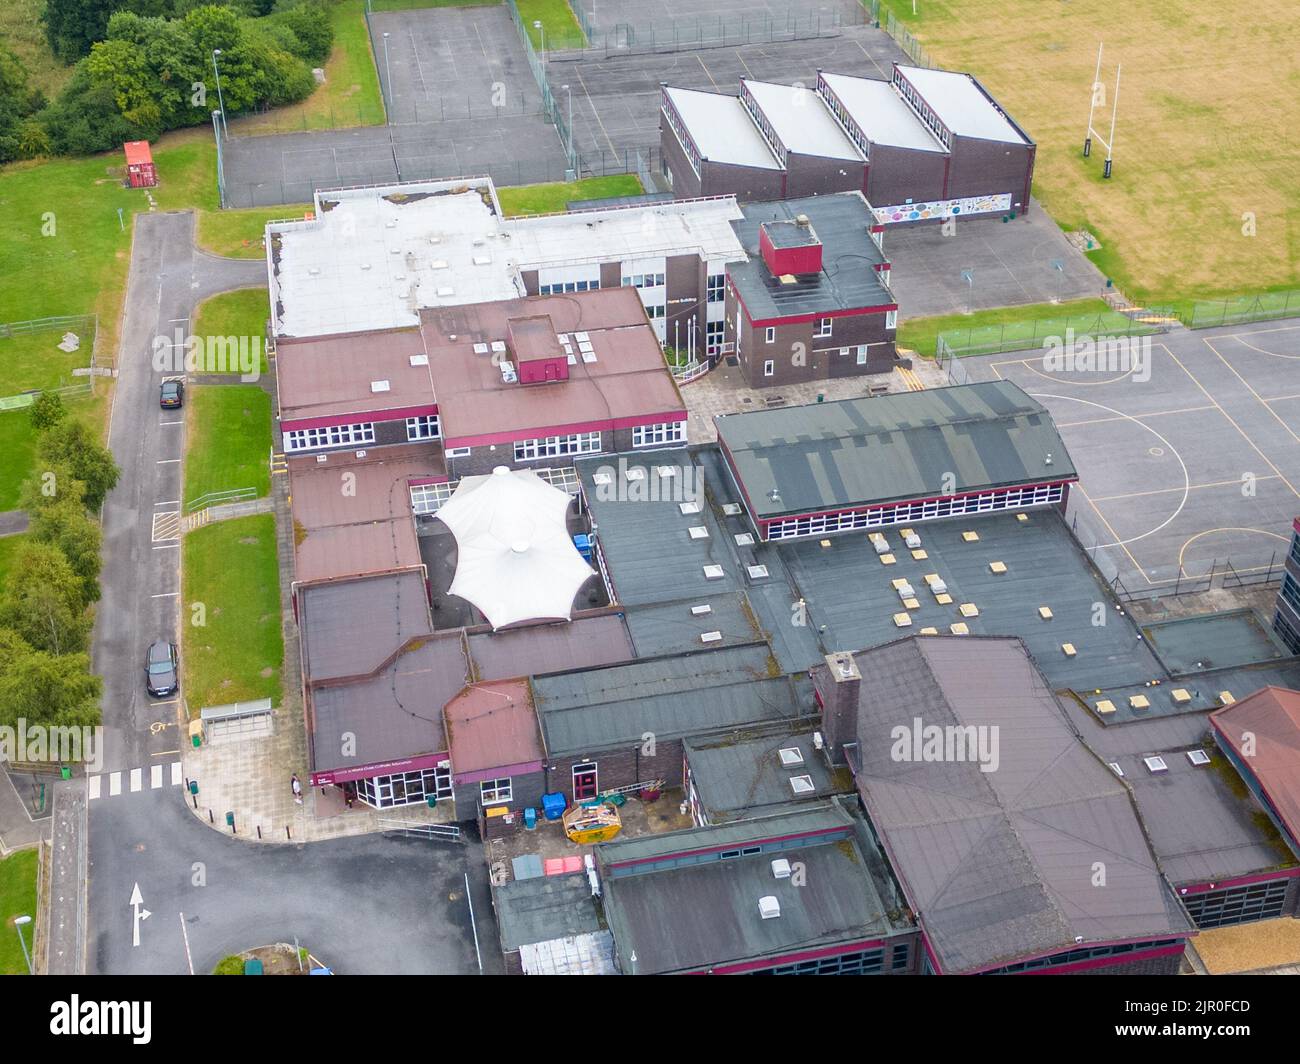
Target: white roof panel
(722,129)
(881,113)
(960,104)
(801,120)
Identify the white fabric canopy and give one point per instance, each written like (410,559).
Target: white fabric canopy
(516,561)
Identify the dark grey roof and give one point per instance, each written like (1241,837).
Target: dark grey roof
(543,908)
(671,627)
(1214,641)
(350,627)
(740,773)
(908,445)
(848,279)
(672,697)
(580,643)
(1000,865)
(706,914)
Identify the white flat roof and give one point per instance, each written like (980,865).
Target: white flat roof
(960,104)
(372,258)
(881,113)
(801,120)
(722,129)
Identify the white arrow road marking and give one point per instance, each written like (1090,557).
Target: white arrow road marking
(138,914)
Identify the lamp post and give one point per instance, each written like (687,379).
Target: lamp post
(388,78)
(18,923)
(220,102)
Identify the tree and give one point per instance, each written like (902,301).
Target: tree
(70,444)
(67,526)
(18,102)
(48,486)
(72,26)
(44,600)
(46,689)
(47,411)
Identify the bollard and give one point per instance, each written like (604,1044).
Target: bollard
(286,832)
(211,818)
(259,831)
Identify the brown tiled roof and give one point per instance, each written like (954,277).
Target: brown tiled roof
(333,375)
(1272,715)
(492,725)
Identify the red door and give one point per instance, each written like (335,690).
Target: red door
(584,781)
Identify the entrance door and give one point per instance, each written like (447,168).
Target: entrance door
(584,781)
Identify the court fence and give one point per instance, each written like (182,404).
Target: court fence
(691,34)
(953,344)
(1266,306)
(904,38)
(67,387)
(537,64)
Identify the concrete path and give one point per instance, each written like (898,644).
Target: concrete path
(13,522)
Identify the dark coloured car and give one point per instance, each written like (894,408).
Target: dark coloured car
(162,669)
(172,394)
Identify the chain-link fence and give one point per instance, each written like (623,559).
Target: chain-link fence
(1267,306)
(1025,335)
(538,66)
(28,346)
(905,39)
(689,34)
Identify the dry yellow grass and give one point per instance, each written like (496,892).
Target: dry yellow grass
(1248,947)
(1209,128)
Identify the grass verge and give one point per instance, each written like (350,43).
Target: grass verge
(1027,323)
(18,445)
(230,568)
(560,28)
(239,234)
(30,361)
(17,898)
(229,439)
(239,313)
(544,199)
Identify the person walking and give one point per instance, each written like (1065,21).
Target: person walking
(297,788)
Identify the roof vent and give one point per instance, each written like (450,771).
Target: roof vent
(499,347)
(802,219)
(361,454)
(714,572)
(438,264)
(788,278)
(701,611)
(482,260)
(480,349)
(768,907)
(711,637)
(508,373)
(802,784)
(1155,764)
(781,868)
(1198,757)
(1115,768)
(379,386)
(419,360)
(698,532)
(791,755)
(818,741)
(446,291)
(601,477)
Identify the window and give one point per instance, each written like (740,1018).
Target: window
(769,368)
(329,436)
(823,328)
(405,788)
(557,446)
(844,352)
(770,335)
(714,285)
(643,280)
(654,312)
(891,319)
(493,791)
(657,435)
(863,962)
(714,331)
(585,781)
(457,452)
(862,354)
(1291,592)
(424,427)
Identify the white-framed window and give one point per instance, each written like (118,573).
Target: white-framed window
(714,334)
(644,280)
(769,368)
(457,452)
(424,427)
(769,336)
(891,319)
(844,352)
(656,435)
(558,446)
(714,286)
(823,328)
(493,791)
(862,354)
(405,788)
(655,311)
(329,436)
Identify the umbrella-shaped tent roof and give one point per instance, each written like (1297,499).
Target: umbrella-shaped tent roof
(515,560)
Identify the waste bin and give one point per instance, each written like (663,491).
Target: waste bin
(65,772)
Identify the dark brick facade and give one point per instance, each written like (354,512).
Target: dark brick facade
(746,183)
(815,175)
(986,167)
(896,175)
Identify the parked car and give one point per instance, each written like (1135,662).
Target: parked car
(162,669)
(172,394)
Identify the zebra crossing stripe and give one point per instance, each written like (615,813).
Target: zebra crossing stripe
(176,773)
(137,780)
(114,784)
(96,782)
(155,776)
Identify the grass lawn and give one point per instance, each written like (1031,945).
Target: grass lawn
(229,439)
(350,95)
(239,234)
(8,548)
(18,445)
(238,653)
(560,28)
(24,35)
(543,199)
(17,898)
(411,5)
(1014,324)
(33,360)
(1191,162)
(239,313)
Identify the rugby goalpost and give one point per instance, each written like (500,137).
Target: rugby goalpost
(1109,142)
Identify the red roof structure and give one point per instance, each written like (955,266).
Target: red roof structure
(1262,732)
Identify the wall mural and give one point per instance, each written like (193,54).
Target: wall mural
(920,212)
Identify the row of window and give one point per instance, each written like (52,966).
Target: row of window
(329,436)
(495,791)
(1085,953)
(715,287)
(567,286)
(763,124)
(855,134)
(714,333)
(558,446)
(863,962)
(1291,592)
(1237,905)
(848,520)
(688,145)
(405,788)
(644,280)
(922,109)
(1295,548)
(424,427)
(1287,632)
(656,311)
(659,435)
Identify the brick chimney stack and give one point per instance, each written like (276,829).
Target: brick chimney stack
(838,683)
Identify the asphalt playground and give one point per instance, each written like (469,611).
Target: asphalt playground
(1188,466)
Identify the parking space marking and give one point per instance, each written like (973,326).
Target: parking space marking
(137,780)
(171,423)
(166,526)
(166,594)
(167,461)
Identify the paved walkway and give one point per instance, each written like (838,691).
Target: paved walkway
(13,522)
(19,830)
(66,930)
(723,391)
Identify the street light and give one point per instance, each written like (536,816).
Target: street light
(18,923)
(220,102)
(388,76)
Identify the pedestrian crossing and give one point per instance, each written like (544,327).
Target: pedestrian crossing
(159,776)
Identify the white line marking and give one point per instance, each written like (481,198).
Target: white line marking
(186,935)
(168,502)
(155,777)
(176,773)
(166,594)
(167,461)
(173,321)
(95,783)
(114,784)
(164,546)
(137,779)
(171,422)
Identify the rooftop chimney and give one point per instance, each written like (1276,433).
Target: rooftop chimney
(838,686)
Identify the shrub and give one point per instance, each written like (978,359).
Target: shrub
(231,965)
